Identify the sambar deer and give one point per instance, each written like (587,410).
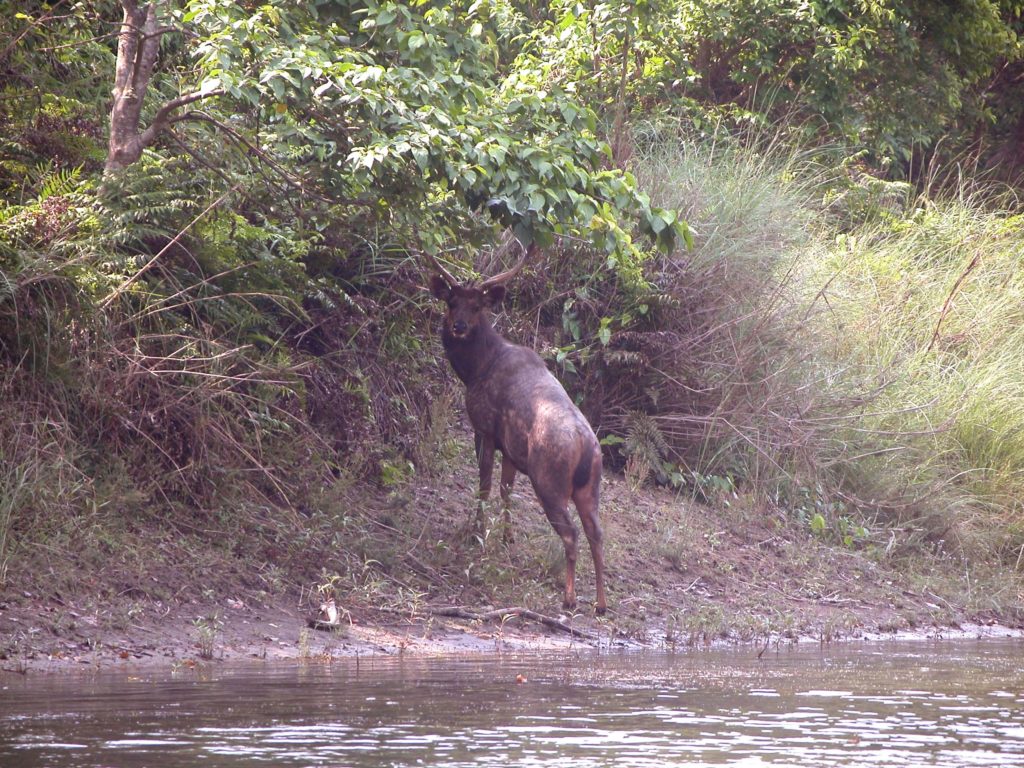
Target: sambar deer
(516,406)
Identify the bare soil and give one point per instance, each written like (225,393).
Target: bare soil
(680,573)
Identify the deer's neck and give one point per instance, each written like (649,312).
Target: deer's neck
(472,357)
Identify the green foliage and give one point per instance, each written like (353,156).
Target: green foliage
(55,72)
(826,517)
(646,448)
(208,628)
(895,77)
(405,107)
(238,315)
(140,209)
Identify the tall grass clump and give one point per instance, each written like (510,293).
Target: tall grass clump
(833,344)
(726,374)
(929,308)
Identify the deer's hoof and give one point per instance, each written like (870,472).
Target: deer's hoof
(569,605)
(601,610)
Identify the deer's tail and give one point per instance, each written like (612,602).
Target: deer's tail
(581,475)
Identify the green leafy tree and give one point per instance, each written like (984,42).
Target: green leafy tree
(389,105)
(889,75)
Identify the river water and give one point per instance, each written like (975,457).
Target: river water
(884,704)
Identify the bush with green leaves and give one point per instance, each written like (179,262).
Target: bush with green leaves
(893,77)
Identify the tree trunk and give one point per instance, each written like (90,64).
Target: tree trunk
(137,48)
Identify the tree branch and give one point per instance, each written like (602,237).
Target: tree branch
(45,17)
(126,47)
(197,157)
(502,613)
(77,43)
(262,155)
(148,51)
(163,118)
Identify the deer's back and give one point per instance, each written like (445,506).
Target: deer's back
(532,419)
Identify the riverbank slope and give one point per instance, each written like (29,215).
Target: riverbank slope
(409,574)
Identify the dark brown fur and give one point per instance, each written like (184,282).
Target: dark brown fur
(519,408)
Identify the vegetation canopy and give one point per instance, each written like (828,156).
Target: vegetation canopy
(778,271)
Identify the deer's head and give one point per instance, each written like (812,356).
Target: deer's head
(470,304)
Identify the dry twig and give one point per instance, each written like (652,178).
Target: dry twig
(498,614)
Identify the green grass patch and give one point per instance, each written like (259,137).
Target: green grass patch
(851,352)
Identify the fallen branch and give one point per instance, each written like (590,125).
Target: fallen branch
(458,612)
(326,622)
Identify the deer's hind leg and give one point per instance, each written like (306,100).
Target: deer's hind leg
(556,508)
(587,500)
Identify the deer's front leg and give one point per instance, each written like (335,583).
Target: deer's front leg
(508,477)
(485,461)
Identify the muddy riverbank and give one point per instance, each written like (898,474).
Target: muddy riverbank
(681,574)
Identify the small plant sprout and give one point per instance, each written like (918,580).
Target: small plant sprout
(207,630)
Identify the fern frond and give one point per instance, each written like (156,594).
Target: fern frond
(62,181)
(646,447)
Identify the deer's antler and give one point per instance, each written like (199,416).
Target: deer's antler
(508,274)
(444,272)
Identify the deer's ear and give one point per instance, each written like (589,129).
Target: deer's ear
(494,295)
(440,288)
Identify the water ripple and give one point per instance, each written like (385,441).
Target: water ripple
(946,706)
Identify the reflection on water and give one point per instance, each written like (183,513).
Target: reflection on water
(943,704)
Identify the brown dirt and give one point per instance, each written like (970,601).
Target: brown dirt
(680,573)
